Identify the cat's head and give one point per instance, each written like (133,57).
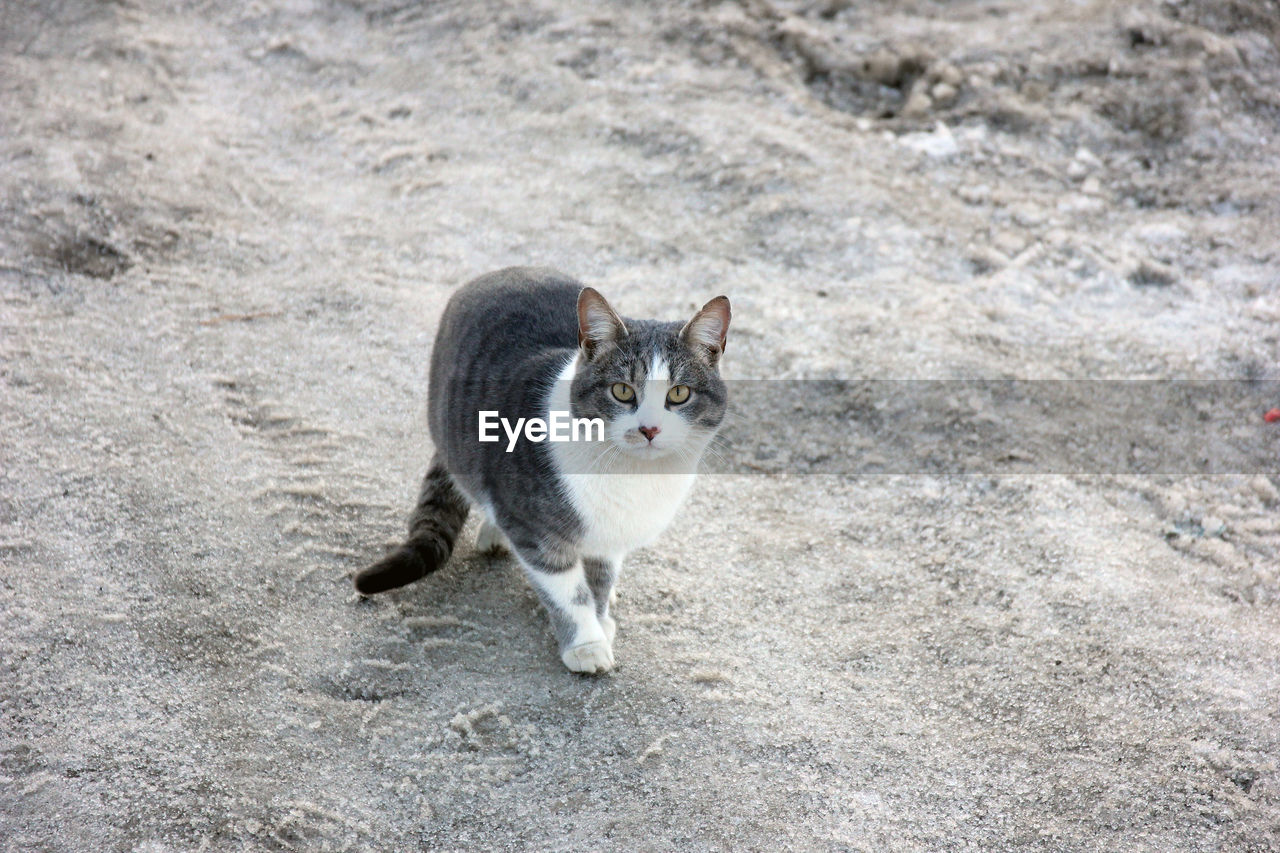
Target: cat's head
(656,385)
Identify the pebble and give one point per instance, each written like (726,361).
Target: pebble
(883,67)
(1152,273)
(1027,215)
(943,93)
(1087,157)
(947,73)
(986,259)
(939,143)
(917,104)
(975,194)
(1080,203)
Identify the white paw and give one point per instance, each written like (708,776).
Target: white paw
(610,628)
(491,540)
(589,658)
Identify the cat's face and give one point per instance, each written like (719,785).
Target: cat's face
(656,386)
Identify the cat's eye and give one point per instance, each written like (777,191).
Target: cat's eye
(678,394)
(622,392)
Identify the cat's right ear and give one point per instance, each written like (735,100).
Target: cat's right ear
(598,324)
(707,331)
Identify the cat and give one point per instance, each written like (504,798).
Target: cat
(525,343)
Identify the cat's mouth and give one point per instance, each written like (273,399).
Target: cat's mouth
(646,449)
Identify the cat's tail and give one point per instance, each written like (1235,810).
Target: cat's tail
(436,521)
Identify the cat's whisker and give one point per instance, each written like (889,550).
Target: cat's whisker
(715,455)
(603,458)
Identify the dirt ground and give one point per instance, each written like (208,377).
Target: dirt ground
(226,233)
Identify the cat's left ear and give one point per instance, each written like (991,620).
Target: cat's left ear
(707,331)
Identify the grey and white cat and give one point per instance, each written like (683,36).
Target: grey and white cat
(526,343)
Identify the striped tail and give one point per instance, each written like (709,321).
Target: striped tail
(436,521)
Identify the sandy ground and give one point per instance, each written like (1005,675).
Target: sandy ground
(226,232)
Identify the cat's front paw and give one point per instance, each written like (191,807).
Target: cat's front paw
(610,628)
(490,539)
(589,658)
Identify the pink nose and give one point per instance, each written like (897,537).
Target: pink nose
(650,432)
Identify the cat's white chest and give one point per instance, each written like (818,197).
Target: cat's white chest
(622,512)
(624,504)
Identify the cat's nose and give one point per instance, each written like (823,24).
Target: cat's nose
(650,432)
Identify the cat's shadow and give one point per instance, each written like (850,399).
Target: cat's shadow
(476,612)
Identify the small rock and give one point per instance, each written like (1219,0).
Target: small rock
(918,104)
(1080,203)
(943,93)
(939,143)
(985,259)
(975,193)
(1150,273)
(945,72)
(914,57)
(882,67)
(831,8)
(1028,215)
(1087,157)
(1008,242)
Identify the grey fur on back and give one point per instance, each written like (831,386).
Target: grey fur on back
(500,342)
(503,340)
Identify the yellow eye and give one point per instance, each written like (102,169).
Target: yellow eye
(622,392)
(678,394)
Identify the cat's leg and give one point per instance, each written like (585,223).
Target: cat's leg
(585,646)
(602,574)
